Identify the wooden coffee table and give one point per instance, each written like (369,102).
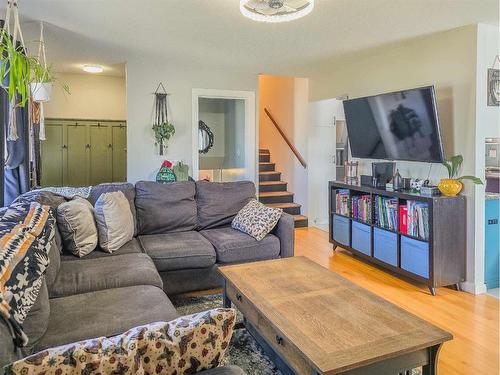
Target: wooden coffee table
(313,321)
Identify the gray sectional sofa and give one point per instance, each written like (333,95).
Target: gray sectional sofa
(182,235)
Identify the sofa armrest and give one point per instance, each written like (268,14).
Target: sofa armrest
(285,231)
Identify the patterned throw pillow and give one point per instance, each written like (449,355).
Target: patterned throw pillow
(256,220)
(186,345)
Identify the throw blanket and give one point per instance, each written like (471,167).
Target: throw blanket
(68,192)
(26,231)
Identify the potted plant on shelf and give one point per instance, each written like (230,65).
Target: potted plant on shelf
(453,185)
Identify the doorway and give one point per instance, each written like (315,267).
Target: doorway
(223,136)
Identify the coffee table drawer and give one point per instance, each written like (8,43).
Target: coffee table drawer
(281,345)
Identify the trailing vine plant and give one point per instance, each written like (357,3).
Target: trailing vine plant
(163,129)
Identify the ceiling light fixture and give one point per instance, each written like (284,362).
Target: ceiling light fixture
(93,68)
(276,10)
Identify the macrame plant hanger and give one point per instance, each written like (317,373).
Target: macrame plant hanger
(12,10)
(42,56)
(161,111)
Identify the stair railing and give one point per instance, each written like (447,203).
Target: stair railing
(292,147)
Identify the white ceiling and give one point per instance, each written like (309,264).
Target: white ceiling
(213,33)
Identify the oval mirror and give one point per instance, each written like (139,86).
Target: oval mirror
(205,138)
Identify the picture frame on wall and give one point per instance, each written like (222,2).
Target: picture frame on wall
(493,87)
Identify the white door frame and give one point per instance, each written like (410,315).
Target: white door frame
(250,126)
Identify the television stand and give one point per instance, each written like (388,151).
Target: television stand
(428,248)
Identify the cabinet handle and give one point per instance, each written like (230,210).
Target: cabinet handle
(239,297)
(64,147)
(87,146)
(110,146)
(279,340)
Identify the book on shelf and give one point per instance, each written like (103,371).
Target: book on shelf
(342,202)
(386,215)
(362,208)
(403,218)
(417,220)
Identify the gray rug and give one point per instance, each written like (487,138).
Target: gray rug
(243,350)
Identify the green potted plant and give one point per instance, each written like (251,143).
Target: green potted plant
(453,185)
(42,84)
(163,132)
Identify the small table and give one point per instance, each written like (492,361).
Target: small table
(310,320)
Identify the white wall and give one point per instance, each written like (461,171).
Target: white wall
(287,100)
(487,125)
(92,97)
(446,60)
(143,76)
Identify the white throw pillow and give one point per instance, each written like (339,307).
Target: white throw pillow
(256,219)
(115,223)
(75,220)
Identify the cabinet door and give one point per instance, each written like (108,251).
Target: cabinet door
(119,153)
(52,156)
(77,170)
(100,154)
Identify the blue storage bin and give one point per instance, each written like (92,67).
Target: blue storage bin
(415,256)
(341,229)
(362,237)
(385,246)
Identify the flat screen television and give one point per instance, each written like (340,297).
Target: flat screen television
(400,125)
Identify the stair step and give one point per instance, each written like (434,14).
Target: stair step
(276,197)
(264,158)
(269,176)
(264,151)
(265,186)
(266,167)
(289,208)
(301,221)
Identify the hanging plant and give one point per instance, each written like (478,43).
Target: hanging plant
(163,129)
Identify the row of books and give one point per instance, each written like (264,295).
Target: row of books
(342,202)
(386,215)
(362,208)
(414,219)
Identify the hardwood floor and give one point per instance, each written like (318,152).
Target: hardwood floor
(473,320)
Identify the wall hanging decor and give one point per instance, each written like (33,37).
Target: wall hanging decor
(494,83)
(163,129)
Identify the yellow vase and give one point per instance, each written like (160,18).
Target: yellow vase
(450,187)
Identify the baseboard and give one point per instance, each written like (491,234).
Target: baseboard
(473,288)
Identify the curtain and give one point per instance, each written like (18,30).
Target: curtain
(16,170)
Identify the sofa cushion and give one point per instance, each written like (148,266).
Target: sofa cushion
(104,313)
(54,264)
(177,251)
(37,321)
(219,202)
(126,188)
(233,246)
(165,208)
(90,275)
(115,223)
(131,247)
(75,220)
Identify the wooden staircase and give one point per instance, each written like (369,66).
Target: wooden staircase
(273,192)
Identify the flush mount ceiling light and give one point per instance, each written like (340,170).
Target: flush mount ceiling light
(93,68)
(276,10)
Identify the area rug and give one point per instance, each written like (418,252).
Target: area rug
(243,350)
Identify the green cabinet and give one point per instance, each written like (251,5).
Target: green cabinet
(83,152)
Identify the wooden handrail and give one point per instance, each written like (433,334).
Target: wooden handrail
(292,147)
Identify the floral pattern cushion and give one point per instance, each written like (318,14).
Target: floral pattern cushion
(186,345)
(256,219)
